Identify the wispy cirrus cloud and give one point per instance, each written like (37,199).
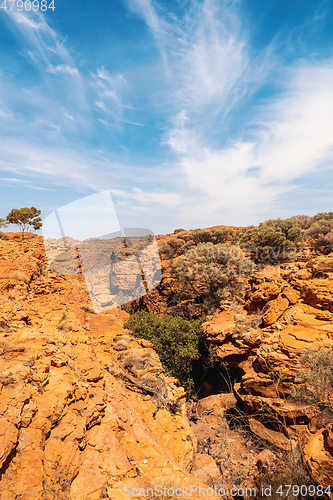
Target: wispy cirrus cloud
(282,138)
(47,47)
(36,23)
(205,52)
(203,130)
(291,137)
(65,69)
(48,115)
(109,92)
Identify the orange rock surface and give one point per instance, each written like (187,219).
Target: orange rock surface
(86,409)
(294,302)
(75,423)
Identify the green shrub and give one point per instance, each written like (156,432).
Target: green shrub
(179,230)
(175,340)
(171,247)
(322,216)
(270,240)
(217,235)
(213,269)
(3,223)
(321,232)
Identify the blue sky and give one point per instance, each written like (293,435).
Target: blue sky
(192,113)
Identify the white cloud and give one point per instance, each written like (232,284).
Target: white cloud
(63,69)
(70,117)
(110,90)
(210,74)
(205,56)
(25,19)
(46,49)
(105,122)
(11,179)
(298,126)
(293,137)
(49,164)
(211,58)
(159,27)
(6,114)
(40,36)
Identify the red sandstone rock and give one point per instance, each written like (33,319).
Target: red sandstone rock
(71,426)
(205,469)
(291,295)
(318,293)
(219,327)
(274,309)
(322,265)
(276,439)
(318,460)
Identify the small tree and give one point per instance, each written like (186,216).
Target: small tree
(3,223)
(26,218)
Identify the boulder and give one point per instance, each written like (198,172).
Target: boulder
(328,437)
(322,265)
(303,274)
(217,403)
(219,327)
(291,294)
(318,460)
(205,468)
(266,291)
(274,438)
(274,309)
(318,293)
(320,420)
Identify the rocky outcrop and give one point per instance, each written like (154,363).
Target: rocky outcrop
(239,462)
(221,326)
(85,408)
(204,468)
(274,438)
(274,310)
(296,314)
(318,293)
(321,266)
(319,459)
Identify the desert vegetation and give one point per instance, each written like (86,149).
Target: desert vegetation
(316,378)
(26,218)
(210,265)
(175,340)
(236,354)
(267,241)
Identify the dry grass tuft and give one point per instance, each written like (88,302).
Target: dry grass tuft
(19,276)
(163,486)
(114,370)
(88,308)
(135,359)
(65,325)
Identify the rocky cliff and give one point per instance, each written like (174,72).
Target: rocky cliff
(85,408)
(287,311)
